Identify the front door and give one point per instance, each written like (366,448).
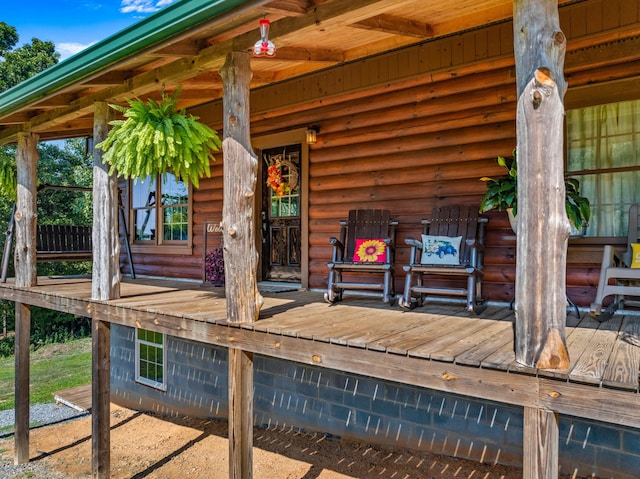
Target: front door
(281,227)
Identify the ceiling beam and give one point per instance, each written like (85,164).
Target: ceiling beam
(287,7)
(305,54)
(396,26)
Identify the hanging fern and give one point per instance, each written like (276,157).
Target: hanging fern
(156,138)
(8,175)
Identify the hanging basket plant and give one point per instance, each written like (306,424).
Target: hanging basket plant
(156,137)
(8,175)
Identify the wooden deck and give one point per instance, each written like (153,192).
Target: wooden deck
(438,346)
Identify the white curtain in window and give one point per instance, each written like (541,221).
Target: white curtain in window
(603,148)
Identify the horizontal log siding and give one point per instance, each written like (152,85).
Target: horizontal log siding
(417,128)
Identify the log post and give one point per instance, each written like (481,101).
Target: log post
(26,213)
(106,244)
(540,459)
(21,428)
(543,226)
(240,254)
(105,285)
(100,399)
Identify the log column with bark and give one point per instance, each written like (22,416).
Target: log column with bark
(26,275)
(26,214)
(105,285)
(543,226)
(106,245)
(240,254)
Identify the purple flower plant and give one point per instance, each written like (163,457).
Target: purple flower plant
(214,266)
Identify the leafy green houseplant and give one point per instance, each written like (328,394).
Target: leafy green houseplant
(156,137)
(502,194)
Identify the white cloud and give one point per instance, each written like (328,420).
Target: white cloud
(67,49)
(143,6)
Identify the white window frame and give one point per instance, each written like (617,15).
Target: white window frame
(159,244)
(142,379)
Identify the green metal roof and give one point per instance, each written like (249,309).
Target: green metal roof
(172,20)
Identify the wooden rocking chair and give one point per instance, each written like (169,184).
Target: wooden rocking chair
(452,245)
(620,270)
(366,248)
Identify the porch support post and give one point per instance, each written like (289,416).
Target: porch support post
(106,244)
(21,428)
(541,435)
(543,227)
(240,254)
(26,213)
(100,399)
(240,414)
(105,285)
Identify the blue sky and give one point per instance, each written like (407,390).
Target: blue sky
(75,24)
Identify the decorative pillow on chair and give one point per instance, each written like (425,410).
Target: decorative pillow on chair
(370,250)
(440,249)
(635,255)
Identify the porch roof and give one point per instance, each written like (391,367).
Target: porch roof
(185,44)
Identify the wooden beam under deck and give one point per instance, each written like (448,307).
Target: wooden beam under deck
(438,346)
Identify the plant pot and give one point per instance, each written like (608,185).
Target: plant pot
(512,220)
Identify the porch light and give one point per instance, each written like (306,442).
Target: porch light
(312,132)
(264,46)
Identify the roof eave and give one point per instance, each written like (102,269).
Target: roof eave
(169,22)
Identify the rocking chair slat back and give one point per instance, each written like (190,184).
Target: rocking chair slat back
(455,221)
(365,224)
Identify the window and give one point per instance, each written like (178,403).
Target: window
(603,145)
(160,207)
(150,358)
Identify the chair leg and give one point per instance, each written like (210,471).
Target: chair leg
(388,292)
(405,300)
(475,301)
(330,296)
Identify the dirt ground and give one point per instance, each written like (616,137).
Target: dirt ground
(144,446)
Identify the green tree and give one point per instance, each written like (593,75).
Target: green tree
(61,163)
(23,62)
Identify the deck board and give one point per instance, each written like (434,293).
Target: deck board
(622,369)
(590,366)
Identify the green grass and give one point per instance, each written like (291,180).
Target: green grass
(53,367)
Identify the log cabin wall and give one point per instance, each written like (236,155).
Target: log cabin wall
(416,128)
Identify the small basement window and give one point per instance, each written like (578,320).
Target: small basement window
(150,359)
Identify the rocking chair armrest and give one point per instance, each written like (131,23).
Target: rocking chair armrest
(475,244)
(413,243)
(416,249)
(338,249)
(611,257)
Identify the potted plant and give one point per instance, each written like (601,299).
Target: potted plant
(502,195)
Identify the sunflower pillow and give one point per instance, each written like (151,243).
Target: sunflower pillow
(370,250)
